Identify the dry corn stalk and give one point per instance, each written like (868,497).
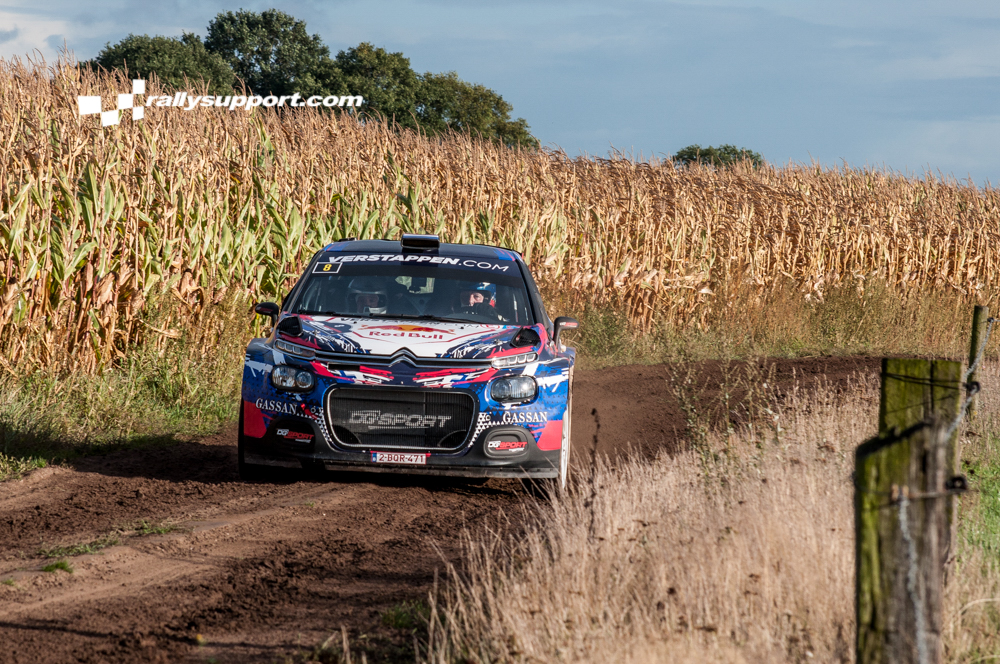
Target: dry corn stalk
(94,221)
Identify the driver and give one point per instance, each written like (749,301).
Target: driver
(479,294)
(368,295)
(470,298)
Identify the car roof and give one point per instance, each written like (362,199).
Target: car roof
(444,249)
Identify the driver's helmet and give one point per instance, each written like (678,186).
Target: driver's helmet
(367,295)
(478,293)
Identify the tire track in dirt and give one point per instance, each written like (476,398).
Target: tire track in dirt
(262,570)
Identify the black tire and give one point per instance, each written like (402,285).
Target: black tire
(249,472)
(314,470)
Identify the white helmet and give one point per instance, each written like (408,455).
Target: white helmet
(367,295)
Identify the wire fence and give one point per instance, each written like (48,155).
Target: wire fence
(955,485)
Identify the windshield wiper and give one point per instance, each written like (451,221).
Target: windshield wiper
(308,312)
(423,317)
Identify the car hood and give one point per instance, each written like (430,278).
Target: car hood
(386,336)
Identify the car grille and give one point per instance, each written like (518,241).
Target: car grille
(379,418)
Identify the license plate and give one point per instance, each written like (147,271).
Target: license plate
(397,457)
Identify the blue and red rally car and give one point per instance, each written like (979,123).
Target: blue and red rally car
(410,356)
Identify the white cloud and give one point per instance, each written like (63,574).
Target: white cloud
(30,36)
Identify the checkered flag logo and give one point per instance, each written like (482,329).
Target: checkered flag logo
(92,105)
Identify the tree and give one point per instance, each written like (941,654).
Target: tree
(272,53)
(724,155)
(170,59)
(384,79)
(447,102)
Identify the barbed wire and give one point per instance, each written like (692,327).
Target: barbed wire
(951,488)
(971,389)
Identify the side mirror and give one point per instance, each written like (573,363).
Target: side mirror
(563,323)
(269,309)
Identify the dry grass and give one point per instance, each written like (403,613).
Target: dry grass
(94,223)
(741,550)
(972,601)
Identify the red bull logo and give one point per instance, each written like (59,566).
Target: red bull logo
(406,332)
(406,328)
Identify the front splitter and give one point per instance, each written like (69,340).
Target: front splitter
(464,471)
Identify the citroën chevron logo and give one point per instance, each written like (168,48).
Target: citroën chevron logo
(90,105)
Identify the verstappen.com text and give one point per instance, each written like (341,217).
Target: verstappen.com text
(190,102)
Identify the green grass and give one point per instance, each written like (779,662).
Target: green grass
(9,582)
(145,528)
(78,549)
(141,529)
(162,391)
(12,467)
(58,565)
(407,616)
(983,531)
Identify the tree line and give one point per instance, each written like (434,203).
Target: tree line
(271,53)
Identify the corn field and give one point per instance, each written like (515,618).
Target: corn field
(186,208)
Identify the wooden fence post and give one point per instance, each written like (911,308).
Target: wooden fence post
(902,530)
(979,317)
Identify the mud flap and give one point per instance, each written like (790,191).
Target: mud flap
(567,426)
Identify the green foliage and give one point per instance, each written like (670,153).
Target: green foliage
(724,155)
(146,528)
(435,103)
(58,565)
(272,52)
(984,473)
(9,582)
(12,467)
(78,549)
(447,102)
(174,61)
(148,399)
(407,615)
(384,79)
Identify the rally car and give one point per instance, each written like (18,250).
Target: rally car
(410,356)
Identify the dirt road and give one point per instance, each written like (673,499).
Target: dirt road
(259,572)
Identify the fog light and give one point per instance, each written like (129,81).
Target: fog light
(292,379)
(515,388)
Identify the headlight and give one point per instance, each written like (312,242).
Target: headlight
(514,360)
(515,388)
(294,349)
(293,379)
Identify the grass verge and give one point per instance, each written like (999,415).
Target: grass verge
(740,550)
(163,390)
(782,322)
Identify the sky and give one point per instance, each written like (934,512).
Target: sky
(906,85)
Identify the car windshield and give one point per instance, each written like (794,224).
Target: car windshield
(457,289)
